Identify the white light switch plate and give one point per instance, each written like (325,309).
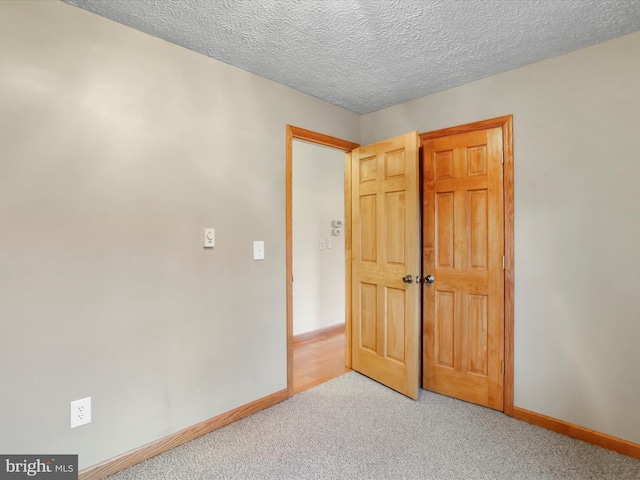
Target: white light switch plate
(258,250)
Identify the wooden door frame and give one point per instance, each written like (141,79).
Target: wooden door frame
(506,123)
(347,147)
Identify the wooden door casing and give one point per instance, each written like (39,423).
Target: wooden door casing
(293,132)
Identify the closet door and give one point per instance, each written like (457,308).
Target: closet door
(463,229)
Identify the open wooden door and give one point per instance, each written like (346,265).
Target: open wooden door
(464,254)
(386,323)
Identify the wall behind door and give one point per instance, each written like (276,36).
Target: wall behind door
(319,275)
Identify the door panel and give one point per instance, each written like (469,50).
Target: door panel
(368,330)
(395,222)
(368,215)
(463,247)
(385,248)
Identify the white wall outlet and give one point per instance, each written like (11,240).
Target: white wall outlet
(209,237)
(80,412)
(258,250)
(323,244)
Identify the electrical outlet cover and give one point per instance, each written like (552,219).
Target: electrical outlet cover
(80,412)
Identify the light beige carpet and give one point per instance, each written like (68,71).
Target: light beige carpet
(354,428)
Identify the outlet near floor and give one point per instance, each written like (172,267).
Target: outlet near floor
(80,412)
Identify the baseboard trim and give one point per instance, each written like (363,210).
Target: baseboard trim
(317,335)
(581,433)
(150,450)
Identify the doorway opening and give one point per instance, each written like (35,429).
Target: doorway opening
(474,167)
(318,264)
(304,349)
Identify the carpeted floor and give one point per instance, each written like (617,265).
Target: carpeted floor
(354,428)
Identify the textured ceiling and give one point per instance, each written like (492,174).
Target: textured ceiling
(365,55)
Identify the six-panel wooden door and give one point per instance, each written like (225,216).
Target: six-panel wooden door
(463,245)
(385,219)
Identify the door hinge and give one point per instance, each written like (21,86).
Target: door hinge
(503,262)
(502,157)
(503,367)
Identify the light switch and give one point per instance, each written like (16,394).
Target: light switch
(258,250)
(209,237)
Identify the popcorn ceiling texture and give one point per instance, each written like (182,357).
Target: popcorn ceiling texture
(365,55)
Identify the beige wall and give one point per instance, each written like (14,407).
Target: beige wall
(116,150)
(577,224)
(318,199)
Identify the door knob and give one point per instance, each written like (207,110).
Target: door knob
(429,279)
(407,279)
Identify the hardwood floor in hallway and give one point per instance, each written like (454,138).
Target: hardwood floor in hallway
(318,358)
